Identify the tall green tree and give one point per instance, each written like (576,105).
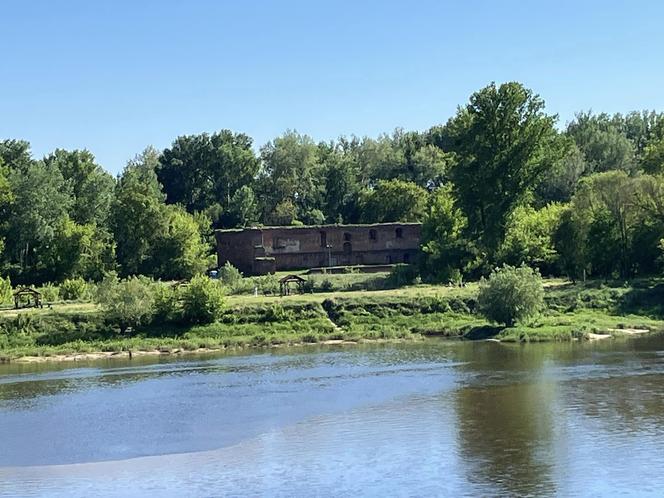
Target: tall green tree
(447,254)
(529,238)
(153,238)
(604,145)
(291,174)
(41,200)
(502,141)
(559,182)
(198,171)
(342,187)
(85,251)
(611,214)
(138,214)
(653,157)
(243,208)
(15,154)
(91,186)
(179,251)
(393,200)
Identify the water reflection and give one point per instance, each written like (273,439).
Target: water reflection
(436,418)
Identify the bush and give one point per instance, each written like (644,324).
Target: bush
(166,303)
(126,303)
(202,300)
(49,292)
(402,275)
(308,286)
(268,284)
(326,285)
(5,290)
(511,294)
(229,275)
(73,289)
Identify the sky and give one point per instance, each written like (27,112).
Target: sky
(116,76)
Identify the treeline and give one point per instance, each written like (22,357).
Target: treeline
(498,183)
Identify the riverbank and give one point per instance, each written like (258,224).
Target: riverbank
(573,312)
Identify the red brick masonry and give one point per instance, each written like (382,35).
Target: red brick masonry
(257,251)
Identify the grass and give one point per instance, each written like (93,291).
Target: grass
(572,312)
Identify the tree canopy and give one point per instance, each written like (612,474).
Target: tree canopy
(497,183)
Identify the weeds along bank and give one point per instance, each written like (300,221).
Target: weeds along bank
(571,312)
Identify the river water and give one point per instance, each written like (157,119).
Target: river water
(422,419)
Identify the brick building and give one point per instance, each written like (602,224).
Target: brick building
(257,251)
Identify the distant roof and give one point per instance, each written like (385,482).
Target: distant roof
(291,278)
(26,290)
(318,227)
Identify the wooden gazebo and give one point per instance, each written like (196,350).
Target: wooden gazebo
(285,283)
(33,297)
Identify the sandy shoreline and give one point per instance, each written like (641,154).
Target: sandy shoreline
(104,355)
(108,355)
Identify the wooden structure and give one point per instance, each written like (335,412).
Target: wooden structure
(285,284)
(33,297)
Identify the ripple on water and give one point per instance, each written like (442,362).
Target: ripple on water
(414,420)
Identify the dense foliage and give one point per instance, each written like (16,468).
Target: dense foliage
(497,183)
(126,303)
(202,300)
(511,294)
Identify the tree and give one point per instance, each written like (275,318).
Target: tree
(178,252)
(653,158)
(611,213)
(290,175)
(502,141)
(153,238)
(85,251)
(529,238)
(284,213)
(641,128)
(511,294)
(138,214)
(560,181)
(342,186)
(126,303)
(447,254)
(198,171)
(242,210)
(15,154)
(604,146)
(41,200)
(570,241)
(6,198)
(202,300)
(90,185)
(393,200)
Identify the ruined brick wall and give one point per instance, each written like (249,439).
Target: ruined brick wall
(328,245)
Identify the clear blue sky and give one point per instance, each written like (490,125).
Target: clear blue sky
(116,76)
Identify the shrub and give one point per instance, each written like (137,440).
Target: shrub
(73,289)
(511,294)
(5,290)
(126,303)
(268,284)
(230,275)
(402,275)
(166,303)
(308,286)
(49,292)
(326,285)
(202,300)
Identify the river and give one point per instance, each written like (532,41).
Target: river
(414,419)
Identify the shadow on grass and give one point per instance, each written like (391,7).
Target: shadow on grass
(483,332)
(643,300)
